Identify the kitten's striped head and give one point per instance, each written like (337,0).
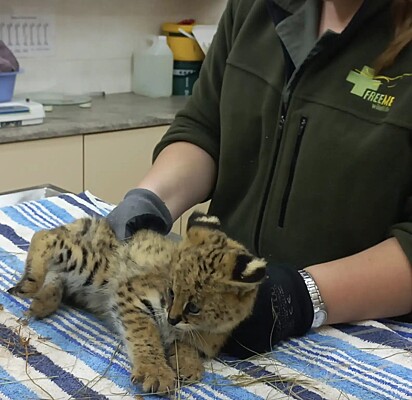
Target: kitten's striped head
(215,278)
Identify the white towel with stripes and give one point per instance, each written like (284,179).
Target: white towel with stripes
(72,355)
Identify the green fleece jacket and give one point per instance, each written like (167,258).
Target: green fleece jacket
(314,152)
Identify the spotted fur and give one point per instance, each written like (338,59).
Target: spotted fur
(174,303)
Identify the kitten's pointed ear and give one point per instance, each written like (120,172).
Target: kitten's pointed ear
(198,219)
(248,269)
(203,228)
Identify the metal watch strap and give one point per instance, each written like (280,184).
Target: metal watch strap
(319,308)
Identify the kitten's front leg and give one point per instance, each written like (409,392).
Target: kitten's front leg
(145,347)
(147,355)
(186,361)
(188,356)
(209,343)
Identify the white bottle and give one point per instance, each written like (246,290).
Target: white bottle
(153,69)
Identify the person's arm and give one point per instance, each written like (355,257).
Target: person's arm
(375,283)
(186,159)
(182,175)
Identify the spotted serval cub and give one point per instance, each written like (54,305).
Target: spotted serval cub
(154,290)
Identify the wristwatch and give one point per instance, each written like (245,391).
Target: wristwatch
(319,308)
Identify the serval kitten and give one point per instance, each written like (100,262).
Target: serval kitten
(173,303)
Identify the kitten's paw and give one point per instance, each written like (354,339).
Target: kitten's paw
(46,302)
(26,288)
(188,368)
(154,378)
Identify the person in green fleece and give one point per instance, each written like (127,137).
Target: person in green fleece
(299,130)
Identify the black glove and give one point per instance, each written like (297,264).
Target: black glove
(283,309)
(140,209)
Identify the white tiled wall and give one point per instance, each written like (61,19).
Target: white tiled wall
(94,40)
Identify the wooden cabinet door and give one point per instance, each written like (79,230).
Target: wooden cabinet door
(48,161)
(115,162)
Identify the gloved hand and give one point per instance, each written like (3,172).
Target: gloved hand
(140,209)
(283,309)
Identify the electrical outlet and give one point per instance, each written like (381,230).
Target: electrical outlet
(28,35)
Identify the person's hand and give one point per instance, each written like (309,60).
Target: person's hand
(283,309)
(140,209)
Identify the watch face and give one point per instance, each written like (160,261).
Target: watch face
(319,318)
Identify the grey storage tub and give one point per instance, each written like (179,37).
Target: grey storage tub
(28,194)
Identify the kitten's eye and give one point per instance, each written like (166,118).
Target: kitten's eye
(192,308)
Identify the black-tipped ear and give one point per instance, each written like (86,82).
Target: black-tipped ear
(199,219)
(249,269)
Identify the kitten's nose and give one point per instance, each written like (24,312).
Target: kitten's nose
(174,320)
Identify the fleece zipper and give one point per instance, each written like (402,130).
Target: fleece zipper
(281,125)
(288,188)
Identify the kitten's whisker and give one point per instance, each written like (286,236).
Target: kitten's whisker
(192,338)
(200,337)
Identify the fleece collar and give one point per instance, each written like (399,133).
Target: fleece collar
(299,30)
(293,5)
(289,5)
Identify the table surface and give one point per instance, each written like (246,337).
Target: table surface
(73,355)
(112,112)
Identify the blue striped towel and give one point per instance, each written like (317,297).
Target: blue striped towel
(72,355)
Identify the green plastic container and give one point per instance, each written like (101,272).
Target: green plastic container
(185,74)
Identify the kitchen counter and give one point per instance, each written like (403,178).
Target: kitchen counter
(112,112)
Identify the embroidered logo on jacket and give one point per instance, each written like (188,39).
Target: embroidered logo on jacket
(366,85)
